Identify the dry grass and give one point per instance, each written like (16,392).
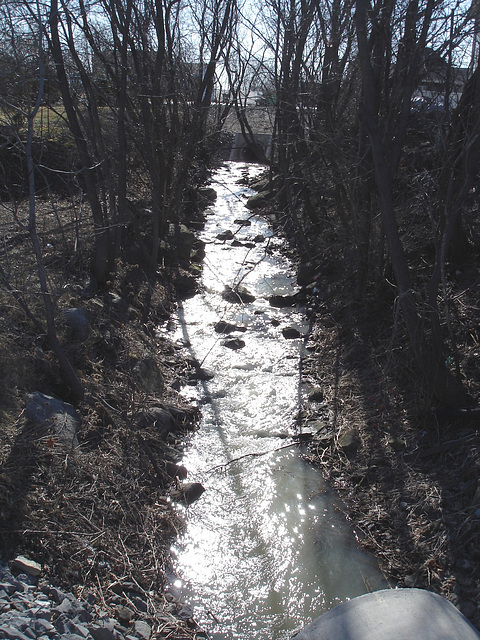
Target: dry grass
(409,486)
(99,513)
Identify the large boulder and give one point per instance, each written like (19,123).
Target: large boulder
(182,240)
(259,200)
(77,324)
(53,416)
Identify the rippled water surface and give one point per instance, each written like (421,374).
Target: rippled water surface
(265,549)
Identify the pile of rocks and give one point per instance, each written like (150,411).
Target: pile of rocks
(31,609)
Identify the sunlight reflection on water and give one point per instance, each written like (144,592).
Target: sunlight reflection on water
(265,549)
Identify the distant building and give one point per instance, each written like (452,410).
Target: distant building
(437,80)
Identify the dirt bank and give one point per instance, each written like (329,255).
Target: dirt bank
(98,513)
(408,475)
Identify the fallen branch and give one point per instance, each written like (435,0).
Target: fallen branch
(252,455)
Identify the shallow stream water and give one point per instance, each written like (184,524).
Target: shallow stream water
(265,549)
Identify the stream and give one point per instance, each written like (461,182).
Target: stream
(266,548)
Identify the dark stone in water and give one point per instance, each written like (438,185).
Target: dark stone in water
(227,327)
(201,374)
(176,470)
(290,333)
(188,492)
(237,295)
(234,344)
(225,235)
(282,301)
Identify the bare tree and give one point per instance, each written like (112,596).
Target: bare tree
(385,106)
(29,107)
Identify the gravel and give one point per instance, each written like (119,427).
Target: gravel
(32,609)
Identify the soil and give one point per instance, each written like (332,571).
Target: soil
(101,512)
(406,470)
(407,476)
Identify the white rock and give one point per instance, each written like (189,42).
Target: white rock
(25,565)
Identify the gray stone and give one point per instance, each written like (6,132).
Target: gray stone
(189,492)
(53,415)
(392,614)
(11,633)
(103,630)
(182,240)
(143,630)
(238,295)
(8,587)
(63,623)
(139,603)
(348,441)
(124,614)
(184,282)
(226,327)
(30,567)
(259,200)
(316,395)
(74,609)
(185,612)
(159,418)
(201,373)
(225,235)
(207,193)
(30,633)
(282,302)
(79,629)
(77,323)
(43,626)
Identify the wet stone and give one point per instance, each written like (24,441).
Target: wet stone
(290,333)
(225,235)
(226,327)
(235,344)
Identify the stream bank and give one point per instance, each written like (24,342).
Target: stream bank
(408,478)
